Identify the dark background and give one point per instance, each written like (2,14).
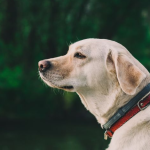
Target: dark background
(36,117)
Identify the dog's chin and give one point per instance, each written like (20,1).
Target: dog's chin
(68,88)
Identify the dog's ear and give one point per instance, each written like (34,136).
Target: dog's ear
(128,74)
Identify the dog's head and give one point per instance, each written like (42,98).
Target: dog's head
(88,64)
(94,68)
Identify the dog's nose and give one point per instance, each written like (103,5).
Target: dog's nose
(44,65)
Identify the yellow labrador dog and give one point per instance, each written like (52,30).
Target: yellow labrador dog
(106,77)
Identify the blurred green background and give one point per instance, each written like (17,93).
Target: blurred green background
(36,117)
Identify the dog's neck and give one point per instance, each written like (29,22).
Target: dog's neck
(103,106)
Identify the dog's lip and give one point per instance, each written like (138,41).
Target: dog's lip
(70,87)
(65,87)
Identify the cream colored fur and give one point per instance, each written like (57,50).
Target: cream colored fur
(105,80)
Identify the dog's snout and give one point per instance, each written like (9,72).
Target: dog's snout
(44,65)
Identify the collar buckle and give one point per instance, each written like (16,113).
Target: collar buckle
(141,105)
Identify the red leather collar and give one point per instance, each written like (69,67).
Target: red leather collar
(141,105)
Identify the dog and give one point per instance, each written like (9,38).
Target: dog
(106,77)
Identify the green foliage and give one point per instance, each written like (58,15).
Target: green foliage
(34,30)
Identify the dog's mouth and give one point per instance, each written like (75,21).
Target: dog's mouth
(67,87)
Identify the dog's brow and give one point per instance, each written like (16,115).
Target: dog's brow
(79,47)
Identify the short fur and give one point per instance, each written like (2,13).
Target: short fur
(105,80)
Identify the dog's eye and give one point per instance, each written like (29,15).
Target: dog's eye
(79,55)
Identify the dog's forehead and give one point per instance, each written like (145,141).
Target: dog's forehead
(83,45)
(92,47)
(96,46)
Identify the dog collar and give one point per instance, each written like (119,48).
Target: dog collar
(135,105)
